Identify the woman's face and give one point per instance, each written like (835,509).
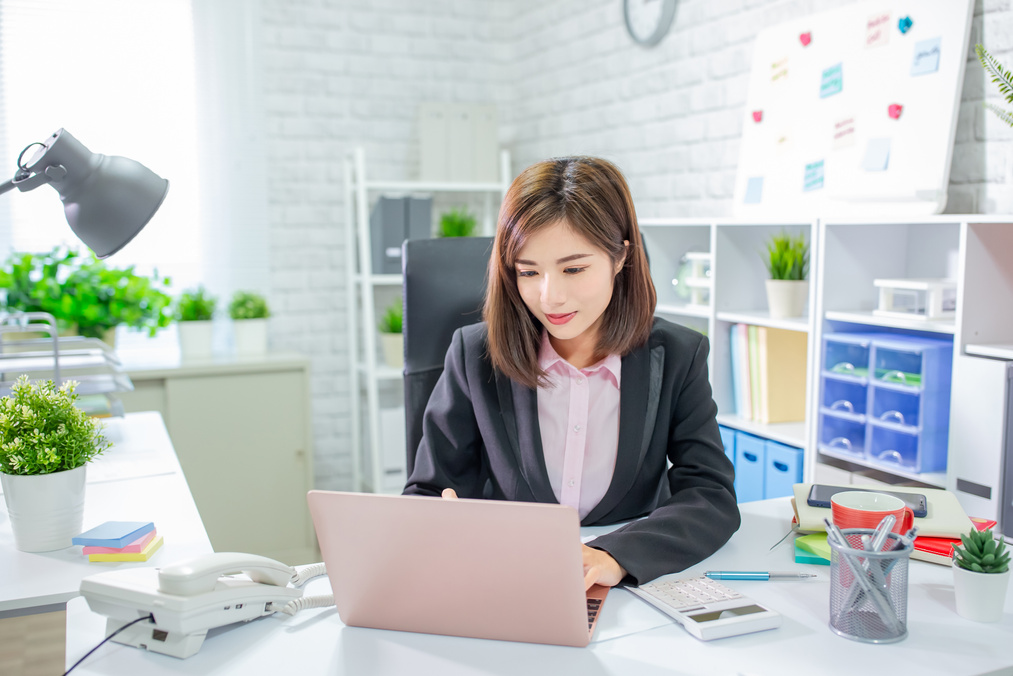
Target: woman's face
(566,282)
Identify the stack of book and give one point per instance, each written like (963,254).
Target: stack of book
(120,541)
(768,373)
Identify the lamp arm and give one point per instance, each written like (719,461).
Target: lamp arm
(25,181)
(7,187)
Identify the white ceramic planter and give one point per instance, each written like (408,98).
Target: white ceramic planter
(46,510)
(195,339)
(250,336)
(787,298)
(980,596)
(393,349)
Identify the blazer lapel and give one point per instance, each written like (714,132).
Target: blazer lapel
(519,408)
(639,395)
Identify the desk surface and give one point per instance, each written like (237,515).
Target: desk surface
(138,479)
(632,637)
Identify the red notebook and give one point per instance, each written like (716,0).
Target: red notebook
(940,550)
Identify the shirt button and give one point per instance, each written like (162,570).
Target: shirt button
(571,483)
(576,428)
(580,381)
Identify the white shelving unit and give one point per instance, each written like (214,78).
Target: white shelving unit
(368,374)
(846,256)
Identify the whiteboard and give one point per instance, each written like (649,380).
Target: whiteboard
(849,115)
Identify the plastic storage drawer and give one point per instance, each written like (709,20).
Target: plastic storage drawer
(783,469)
(842,436)
(845,398)
(913,450)
(728,441)
(848,354)
(749,465)
(914,363)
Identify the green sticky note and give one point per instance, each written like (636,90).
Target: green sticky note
(802,556)
(816,543)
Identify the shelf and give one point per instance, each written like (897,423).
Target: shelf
(929,478)
(683,310)
(763,318)
(946,326)
(432,186)
(995,350)
(381,280)
(791,433)
(384,372)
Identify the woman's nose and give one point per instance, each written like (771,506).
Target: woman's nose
(553,291)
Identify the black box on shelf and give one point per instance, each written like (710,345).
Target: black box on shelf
(395,219)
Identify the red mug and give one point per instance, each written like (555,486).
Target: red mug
(865,509)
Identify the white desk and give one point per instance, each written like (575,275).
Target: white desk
(316,642)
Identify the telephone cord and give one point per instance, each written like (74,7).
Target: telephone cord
(295,605)
(304,574)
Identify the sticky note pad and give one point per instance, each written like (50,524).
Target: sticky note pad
(754,190)
(142,555)
(134,547)
(833,81)
(117,534)
(813,176)
(802,556)
(877,155)
(926,57)
(815,543)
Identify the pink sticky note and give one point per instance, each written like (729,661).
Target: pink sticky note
(134,547)
(757,115)
(895,110)
(805,38)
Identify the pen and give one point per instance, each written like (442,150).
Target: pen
(755,575)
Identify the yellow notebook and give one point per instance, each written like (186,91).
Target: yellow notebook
(781,357)
(944,518)
(142,555)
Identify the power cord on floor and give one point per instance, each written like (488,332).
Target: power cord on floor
(148,617)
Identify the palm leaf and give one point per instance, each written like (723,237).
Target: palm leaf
(994,68)
(1004,115)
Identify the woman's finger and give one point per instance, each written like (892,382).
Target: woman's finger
(449,494)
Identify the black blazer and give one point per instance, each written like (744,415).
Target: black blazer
(480,436)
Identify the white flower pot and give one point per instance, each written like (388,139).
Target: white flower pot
(46,510)
(393,349)
(980,596)
(250,336)
(195,339)
(787,298)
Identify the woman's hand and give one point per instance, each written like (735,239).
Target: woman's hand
(449,494)
(600,568)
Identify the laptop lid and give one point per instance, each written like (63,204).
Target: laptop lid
(477,568)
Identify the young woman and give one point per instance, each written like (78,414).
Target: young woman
(571,391)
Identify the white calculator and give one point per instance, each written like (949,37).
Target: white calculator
(707,609)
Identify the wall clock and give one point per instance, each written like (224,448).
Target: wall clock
(647,21)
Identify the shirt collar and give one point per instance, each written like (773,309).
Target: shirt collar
(548,357)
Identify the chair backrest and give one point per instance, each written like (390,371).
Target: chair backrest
(444,287)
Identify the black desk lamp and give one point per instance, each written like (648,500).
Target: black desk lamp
(107,199)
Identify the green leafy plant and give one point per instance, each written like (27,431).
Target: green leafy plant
(392,318)
(42,431)
(981,553)
(457,223)
(195,305)
(1001,77)
(248,305)
(787,257)
(97,298)
(34,282)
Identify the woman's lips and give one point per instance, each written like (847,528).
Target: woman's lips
(560,319)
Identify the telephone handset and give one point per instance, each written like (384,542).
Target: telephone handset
(189,597)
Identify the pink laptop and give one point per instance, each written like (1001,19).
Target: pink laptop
(478,568)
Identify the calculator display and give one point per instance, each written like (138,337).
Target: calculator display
(725,614)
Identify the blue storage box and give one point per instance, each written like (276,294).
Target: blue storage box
(923,364)
(841,436)
(783,469)
(749,466)
(845,398)
(911,449)
(848,354)
(728,440)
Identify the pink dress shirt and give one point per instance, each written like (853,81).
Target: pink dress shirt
(578,416)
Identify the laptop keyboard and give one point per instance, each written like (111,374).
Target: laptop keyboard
(593,606)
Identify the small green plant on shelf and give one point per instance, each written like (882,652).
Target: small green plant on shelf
(33,281)
(195,305)
(981,553)
(390,321)
(248,305)
(42,431)
(1001,77)
(457,223)
(787,257)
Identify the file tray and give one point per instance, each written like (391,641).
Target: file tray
(926,299)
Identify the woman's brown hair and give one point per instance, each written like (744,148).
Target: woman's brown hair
(589,195)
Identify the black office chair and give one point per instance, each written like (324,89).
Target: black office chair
(444,288)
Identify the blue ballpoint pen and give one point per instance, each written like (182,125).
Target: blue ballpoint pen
(755,575)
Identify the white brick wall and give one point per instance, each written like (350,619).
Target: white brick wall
(567,79)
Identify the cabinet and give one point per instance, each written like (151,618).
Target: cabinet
(846,259)
(377,413)
(241,430)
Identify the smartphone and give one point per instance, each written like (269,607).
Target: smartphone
(820,494)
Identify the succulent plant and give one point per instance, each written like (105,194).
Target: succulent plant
(981,553)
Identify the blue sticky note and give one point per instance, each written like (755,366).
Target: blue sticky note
(926,58)
(877,155)
(754,190)
(832,82)
(813,176)
(904,24)
(116,534)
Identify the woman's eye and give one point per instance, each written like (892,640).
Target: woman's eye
(573,271)
(525,273)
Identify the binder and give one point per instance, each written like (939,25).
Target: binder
(781,357)
(742,341)
(754,373)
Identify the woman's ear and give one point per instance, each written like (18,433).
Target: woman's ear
(622,261)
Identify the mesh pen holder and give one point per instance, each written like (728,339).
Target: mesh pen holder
(868,590)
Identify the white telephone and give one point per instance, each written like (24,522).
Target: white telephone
(188,598)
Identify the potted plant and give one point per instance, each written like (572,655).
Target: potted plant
(195,310)
(787,261)
(1002,78)
(249,314)
(980,576)
(45,444)
(457,223)
(33,283)
(391,338)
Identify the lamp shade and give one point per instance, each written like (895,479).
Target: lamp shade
(107,199)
